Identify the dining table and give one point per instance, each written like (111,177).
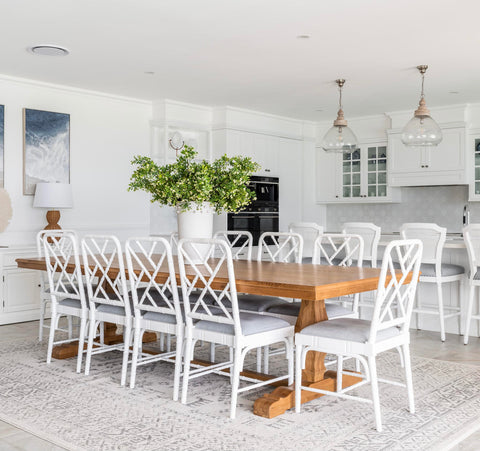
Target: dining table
(310,283)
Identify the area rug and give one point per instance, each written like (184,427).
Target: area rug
(93,412)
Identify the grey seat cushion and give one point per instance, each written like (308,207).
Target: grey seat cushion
(350,329)
(251,324)
(428,270)
(160,317)
(257,303)
(292,309)
(307,260)
(71,303)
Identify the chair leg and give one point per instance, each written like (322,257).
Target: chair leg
(81,341)
(178,367)
(102,333)
(400,354)
(440,311)
(266,356)
(236,369)
(289,351)
(459,305)
(169,342)
(51,337)
(162,341)
(259,360)
(298,378)
(186,369)
(339,373)
(70,326)
(41,319)
(375,395)
(137,347)
(408,378)
(127,331)
(212,352)
(417,315)
(471,297)
(91,333)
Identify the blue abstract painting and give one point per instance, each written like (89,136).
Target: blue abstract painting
(46,148)
(2,146)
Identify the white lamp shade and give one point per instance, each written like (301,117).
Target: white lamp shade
(53,195)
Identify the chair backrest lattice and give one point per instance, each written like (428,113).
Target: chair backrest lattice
(280,247)
(214,300)
(338,249)
(471,236)
(371,237)
(101,253)
(60,250)
(310,231)
(431,235)
(146,258)
(240,242)
(395,296)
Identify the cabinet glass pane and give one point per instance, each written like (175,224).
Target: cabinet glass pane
(356,179)
(346,179)
(477,159)
(382,178)
(356,166)
(356,191)
(346,191)
(372,166)
(372,190)
(347,156)
(477,173)
(372,152)
(382,152)
(347,167)
(372,178)
(382,165)
(356,155)
(382,190)
(477,187)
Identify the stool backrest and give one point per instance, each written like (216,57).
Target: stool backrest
(395,298)
(338,249)
(432,237)
(310,231)
(283,247)
(471,236)
(371,237)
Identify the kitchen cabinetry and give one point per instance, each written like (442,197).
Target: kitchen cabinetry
(361,176)
(473,165)
(20,292)
(441,165)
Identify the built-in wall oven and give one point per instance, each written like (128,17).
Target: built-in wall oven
(262,214)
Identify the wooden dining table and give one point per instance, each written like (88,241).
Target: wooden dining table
(310,283)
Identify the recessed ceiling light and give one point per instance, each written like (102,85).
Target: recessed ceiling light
(454,92)
(48,50)
(149,72)
(303,36)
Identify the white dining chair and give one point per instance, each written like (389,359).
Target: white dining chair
(434,271)
(109,299)
(222,322)
(156,305)
(364,340)
(45,297)
(309,231)
(471,236)
(66,290)
(240,242)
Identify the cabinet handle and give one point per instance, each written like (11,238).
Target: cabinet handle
(426,165)
(336,197)
(423,165)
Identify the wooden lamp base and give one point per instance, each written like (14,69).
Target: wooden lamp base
(53,216)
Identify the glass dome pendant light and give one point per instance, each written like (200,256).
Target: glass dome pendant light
(340,138)
(422,131)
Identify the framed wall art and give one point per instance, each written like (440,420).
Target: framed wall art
(2,146)
(46,148)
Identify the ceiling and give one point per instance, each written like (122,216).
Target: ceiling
(246,53)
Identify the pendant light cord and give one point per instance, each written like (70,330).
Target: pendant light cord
(422,95)
(340,97)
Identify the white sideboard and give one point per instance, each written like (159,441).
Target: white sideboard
(20,288)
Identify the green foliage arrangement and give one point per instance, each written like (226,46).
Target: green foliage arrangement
(187,183)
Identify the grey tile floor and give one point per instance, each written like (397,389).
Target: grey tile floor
(424,344)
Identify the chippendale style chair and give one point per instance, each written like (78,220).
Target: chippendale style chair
(471,235)
(364,340)
(219,320)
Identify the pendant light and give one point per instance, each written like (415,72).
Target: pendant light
(422,130)
(340,137)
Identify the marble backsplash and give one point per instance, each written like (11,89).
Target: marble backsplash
(440,204)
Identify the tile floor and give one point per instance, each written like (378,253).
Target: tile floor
(425,344)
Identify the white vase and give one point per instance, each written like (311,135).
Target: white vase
(196,223)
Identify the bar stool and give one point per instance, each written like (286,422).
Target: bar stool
(471,235)
(309,231)
(434,271)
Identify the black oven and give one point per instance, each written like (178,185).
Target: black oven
(262,215)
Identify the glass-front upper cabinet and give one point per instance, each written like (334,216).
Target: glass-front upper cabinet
(363,175)
(474,172)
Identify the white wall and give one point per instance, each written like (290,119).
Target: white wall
(106,132)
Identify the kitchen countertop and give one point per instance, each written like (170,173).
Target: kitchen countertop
(454,240)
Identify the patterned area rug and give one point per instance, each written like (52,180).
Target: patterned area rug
(94,413)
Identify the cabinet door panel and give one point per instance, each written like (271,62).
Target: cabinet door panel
(448,155)
(403,158)
(326,175)
(21,290)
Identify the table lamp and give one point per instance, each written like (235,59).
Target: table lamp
(53,196)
